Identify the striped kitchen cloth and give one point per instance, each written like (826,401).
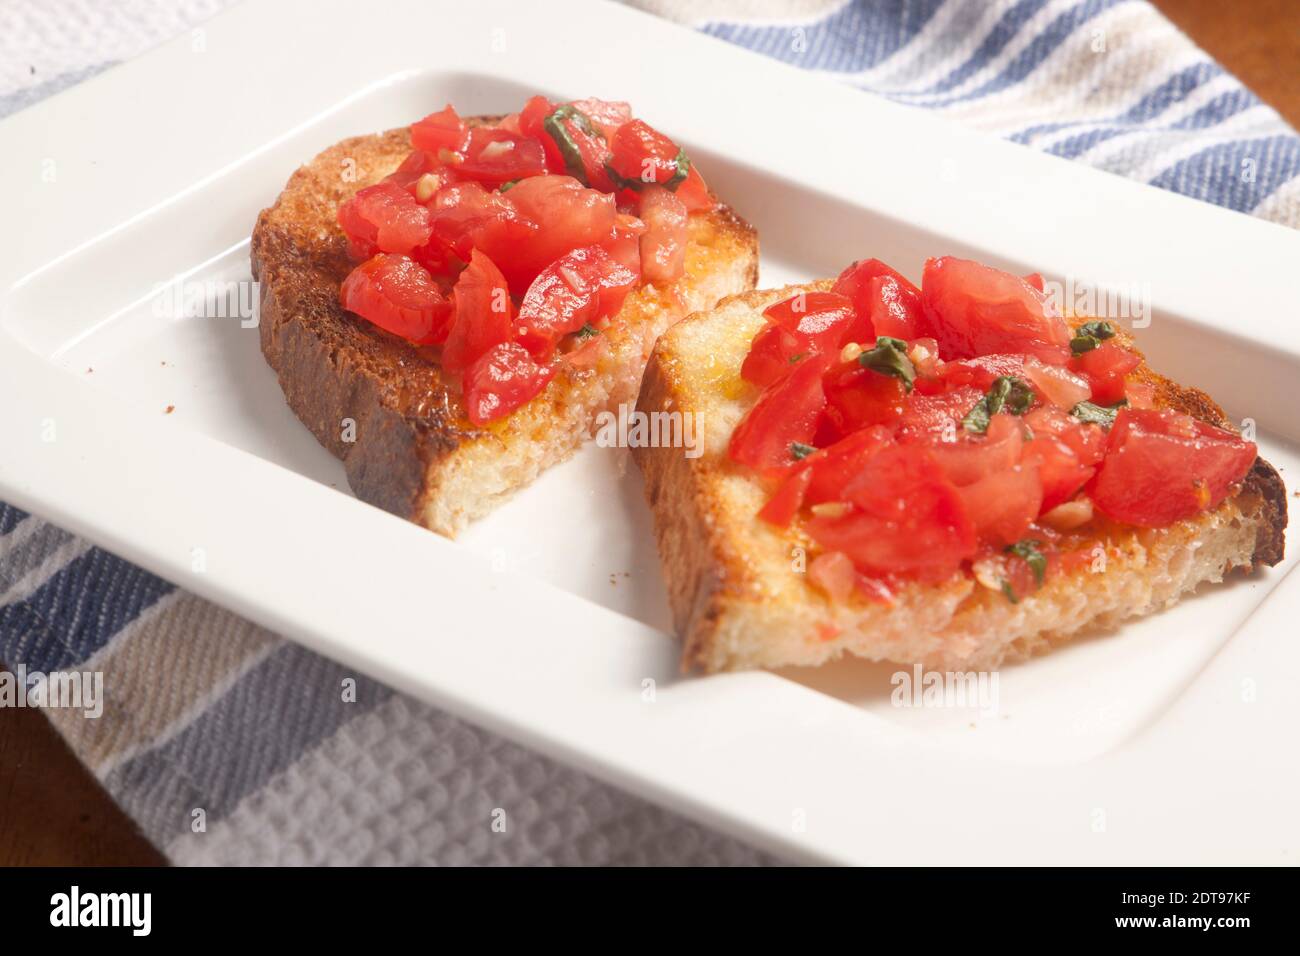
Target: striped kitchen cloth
(230,745)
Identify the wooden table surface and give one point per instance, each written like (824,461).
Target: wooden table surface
(52,811)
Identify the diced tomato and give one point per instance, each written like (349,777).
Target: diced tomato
(971,457)
(857,282)
(483,314)
(467,216)
(642,154)
(583,286)
(980,372)
(1057,384)
(495,156)
(818,319)
(1106,367)
(788,498)
(502,379)
(663,244)
(1004,504)
(806,324)
(895,308)
(1059,469)
(530,122)
(858,397)
(398,295)
(441,130)
(908,518)
(1087,441)
(772,356)
(834,574)
(385,217)
(417,164)
(786,413)
(624,242)
(836,465)
(608,115)
(569,216)
(972,309)
(1035,280)
(581,146)
(1140,394)
(1162,466)
(927,416)
(694,193)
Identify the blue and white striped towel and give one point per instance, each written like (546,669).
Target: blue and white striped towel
(206,711)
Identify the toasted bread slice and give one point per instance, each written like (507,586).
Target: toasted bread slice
(738,598)
(383,405)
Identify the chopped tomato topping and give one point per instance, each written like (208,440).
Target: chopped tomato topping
(907,519)
(398,295)
(384,218)
(1060,469)
(807,324)
(785,415)
(694,193)
(1057,384)
(1162,466)
(641,154)
(502,379)
(929,416)
(968,457)
(1003,504)
(495,156)
(443,130)
(467,216)
(521,215)
(972,309)
(483,314)
(1105,368)
(918,455)
(608,115)
(788,499)
(568,215)
(663,244)
(580,288)
(858,397)
(418,164)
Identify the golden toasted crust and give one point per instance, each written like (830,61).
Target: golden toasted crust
(378,402)
(736,604)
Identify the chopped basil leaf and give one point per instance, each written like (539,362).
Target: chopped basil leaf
(505,186)
(796,358)
(586,332)
(889,357)
(1008,394)
(977,419)
(1098,414)
(554,127)
(682,169)
(1090,335)
(1028,549)
(1011,595)
(1098,330)
(800,451)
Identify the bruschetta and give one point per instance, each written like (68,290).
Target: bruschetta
(952,474)
(448,306)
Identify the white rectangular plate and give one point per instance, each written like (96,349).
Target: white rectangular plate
(1168,742)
